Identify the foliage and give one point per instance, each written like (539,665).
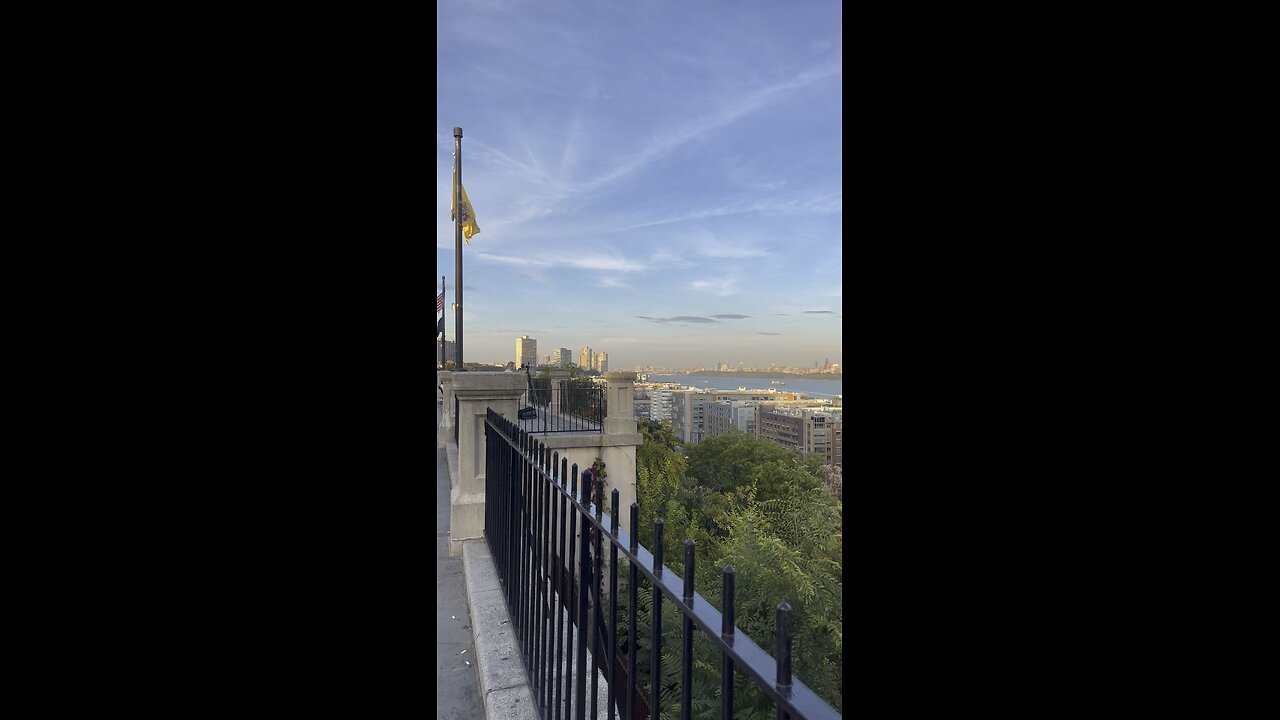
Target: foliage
(473,367)
(761,508)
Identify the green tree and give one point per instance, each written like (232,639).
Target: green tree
(750,503)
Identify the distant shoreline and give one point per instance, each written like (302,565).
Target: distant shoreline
(758,374)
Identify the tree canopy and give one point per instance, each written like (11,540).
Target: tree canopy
(763,509)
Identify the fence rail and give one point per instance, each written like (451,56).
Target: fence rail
(543,532)
(566,408)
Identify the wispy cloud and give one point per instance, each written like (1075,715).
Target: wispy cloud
(819,312)
(731,317)
(722,287)
(717,118)
(768,333)
(678,318)
(614,263)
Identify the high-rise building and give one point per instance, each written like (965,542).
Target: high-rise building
(562,357)
(584,357)
(728,413)
(526,351)
(604,362)
(662,403)
(691,415)
(450,351)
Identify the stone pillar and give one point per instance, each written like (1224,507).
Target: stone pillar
(621,439)
(445,378)
(557,377)
(476,393)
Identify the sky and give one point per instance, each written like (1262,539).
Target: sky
(658,180)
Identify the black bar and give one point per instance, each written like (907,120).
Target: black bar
(548,554)
(552,614)
(540,609)
(560,585)
(573,597)
(523,571)
(783,626)
(580,687)
(726,632)
(633,585)
(544,567)
(613,600)
(597,613)
(655,675)
(686,662)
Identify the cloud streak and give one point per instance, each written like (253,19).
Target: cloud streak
(678,318)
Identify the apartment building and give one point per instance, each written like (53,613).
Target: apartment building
(526,351)
(816,430)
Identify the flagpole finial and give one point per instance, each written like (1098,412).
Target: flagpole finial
(457,132)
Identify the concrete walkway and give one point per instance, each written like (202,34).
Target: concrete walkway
(457,686)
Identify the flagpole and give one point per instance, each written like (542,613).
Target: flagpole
(457,243)
(444,360)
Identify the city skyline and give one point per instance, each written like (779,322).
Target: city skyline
(660,180)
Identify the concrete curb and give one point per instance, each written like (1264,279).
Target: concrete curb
(504,685)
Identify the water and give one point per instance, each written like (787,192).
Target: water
(812,388)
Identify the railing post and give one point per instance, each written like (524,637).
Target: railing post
(633,586)
(584,572)
(783,625)
(571,686)
(655,674)
(613,601)
(561,591)
(726,632)
(686,664)
(539,648)
(597,612)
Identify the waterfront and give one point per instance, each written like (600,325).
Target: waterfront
(812,388)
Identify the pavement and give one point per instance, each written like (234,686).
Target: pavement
(457,683)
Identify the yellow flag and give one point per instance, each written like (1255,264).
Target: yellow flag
(469,226)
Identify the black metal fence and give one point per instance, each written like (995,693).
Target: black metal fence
(571,407)
(546,537)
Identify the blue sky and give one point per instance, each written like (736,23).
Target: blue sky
(658,180)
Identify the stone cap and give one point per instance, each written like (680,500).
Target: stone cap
(481,382)
(620,376)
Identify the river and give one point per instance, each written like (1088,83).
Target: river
(812,388)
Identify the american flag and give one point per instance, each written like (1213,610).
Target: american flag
(440,302)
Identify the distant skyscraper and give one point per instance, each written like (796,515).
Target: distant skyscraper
(526,351)
(584,357)
(450,351)
(562,357)
(604,362)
